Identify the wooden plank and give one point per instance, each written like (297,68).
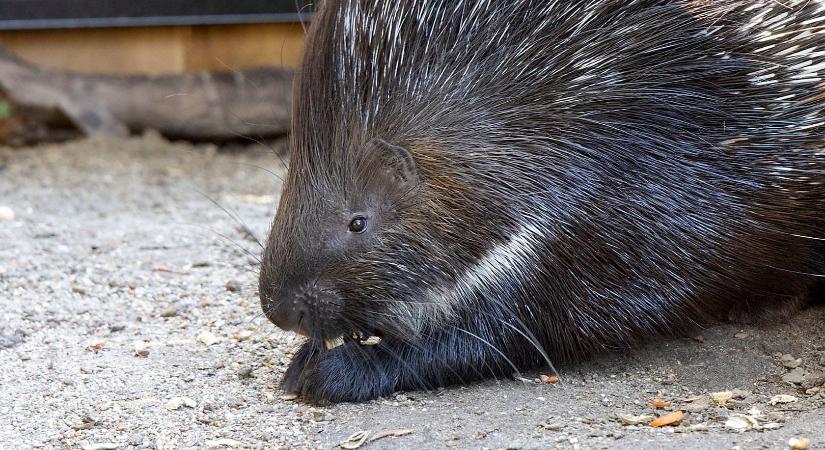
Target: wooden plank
(151,50)
(239,46)
(159,50)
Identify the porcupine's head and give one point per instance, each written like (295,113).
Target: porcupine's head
(373,217)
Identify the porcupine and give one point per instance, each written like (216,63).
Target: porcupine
(478,186)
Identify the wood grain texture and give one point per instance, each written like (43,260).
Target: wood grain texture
(159,50)
(238,46)
(205,105)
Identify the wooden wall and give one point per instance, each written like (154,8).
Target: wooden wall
(159,50)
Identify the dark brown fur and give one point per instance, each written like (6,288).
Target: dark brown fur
(541,181)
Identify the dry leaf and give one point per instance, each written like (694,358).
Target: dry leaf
(668,419)
(393,433)
(720,398)
(548,379)
(355,440)
(628,419)
(782,398)
(97,345)
(166,269)
(659,403)
(741,422)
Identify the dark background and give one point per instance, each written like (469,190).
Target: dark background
(36,14)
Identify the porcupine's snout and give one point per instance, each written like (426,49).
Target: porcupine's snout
(299,307)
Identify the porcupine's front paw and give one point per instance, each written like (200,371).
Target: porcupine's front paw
(349,372)
(356,371)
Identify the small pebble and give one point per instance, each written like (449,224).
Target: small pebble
(740,394)
(321,416)
(170,311)
(244,335)
(207,338)
(799,443)
(741,334)
(102,446)
(6,214)
(245,373)
(232,286)
(176,402)
(216,443)
(696,406)
(233,402)
(812,379)
(141,349)
(789,362)
(795,376)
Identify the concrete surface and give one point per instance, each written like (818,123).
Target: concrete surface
(129,319)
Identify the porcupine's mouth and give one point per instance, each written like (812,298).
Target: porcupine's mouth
(356,336)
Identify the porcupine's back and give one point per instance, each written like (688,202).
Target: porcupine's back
(626,168)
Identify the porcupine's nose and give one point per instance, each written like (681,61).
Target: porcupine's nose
(287,308)
(300,308)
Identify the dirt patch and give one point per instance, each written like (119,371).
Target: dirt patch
(130,320)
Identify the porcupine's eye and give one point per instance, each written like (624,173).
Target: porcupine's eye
(358,224)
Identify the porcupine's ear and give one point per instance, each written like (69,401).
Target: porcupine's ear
(396,161)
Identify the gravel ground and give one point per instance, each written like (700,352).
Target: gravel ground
(129,319)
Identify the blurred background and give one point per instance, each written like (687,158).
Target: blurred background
(137,58)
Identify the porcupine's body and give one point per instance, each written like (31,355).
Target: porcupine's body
(488,185)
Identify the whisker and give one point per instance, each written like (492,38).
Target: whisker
(264,144)
(232,241)
(235,217)
(493,347)
(262,168)
(531,338)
